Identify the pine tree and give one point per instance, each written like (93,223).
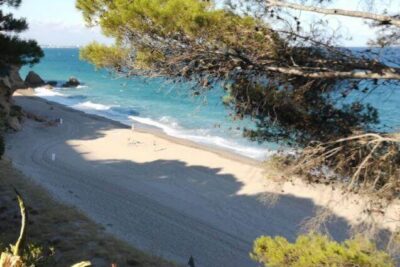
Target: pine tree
(14,53)
(13,50)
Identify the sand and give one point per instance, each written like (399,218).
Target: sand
(51,224)
(169,197)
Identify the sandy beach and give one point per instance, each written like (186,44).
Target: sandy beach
(169,197)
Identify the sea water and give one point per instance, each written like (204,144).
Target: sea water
(171,107)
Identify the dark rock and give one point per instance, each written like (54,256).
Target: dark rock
(9,82)
(52,83)
(72,82)
(34,80)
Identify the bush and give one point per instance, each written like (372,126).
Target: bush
(317,250)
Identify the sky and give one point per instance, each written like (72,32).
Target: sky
(59,23)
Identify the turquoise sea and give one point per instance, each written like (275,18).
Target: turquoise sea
(168,106)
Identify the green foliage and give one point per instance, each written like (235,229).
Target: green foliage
(187,20)
(317,250)
(11,24)
(13,50)
(191,17)
(103,56)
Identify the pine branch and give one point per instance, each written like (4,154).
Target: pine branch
(382,19)
(385,74)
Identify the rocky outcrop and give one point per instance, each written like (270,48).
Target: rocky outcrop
(52,83)
(72,82)
(10,80)
(34,80)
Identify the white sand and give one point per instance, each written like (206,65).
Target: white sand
(171,198)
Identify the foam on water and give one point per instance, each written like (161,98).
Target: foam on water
(44,92)
(88,105)
(202,136)
(167,124)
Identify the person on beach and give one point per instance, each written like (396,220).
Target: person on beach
(131,139)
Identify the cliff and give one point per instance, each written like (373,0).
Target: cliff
(10,80)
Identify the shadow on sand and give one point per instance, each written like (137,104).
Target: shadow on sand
(165,206)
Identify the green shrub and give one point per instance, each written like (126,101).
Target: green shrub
(317,250)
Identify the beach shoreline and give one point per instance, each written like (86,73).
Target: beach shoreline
(171,198)
(144,128)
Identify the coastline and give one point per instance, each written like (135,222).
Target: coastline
(166,196)
(144,128)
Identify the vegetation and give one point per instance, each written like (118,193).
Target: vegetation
(13,50)
(22,254)
(374,164)
(316,251)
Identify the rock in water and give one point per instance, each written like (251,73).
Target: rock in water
(72,82)
(52,83)
(34,80)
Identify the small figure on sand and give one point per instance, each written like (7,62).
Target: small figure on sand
(131,139)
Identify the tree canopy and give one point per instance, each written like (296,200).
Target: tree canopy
(13,50)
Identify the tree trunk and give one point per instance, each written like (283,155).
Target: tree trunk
(383,19)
